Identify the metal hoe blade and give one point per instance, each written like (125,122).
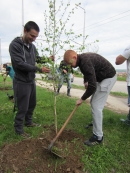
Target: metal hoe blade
(52,152)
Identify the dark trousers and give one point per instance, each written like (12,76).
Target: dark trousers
(128,88)
(25,101)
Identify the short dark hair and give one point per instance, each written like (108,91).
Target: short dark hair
(31,25)
(4,65)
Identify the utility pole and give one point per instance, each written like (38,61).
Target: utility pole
(0,57)
(84,25)
(22,15)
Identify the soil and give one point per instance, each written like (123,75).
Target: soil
(32,155)
(4,89)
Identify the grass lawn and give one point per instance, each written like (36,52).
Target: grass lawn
(113,156)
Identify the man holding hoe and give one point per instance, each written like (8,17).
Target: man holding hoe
(99,78)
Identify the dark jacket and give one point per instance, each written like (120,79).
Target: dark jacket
(95,68)
(23,60)
(64,66)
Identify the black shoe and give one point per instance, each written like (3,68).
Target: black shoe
(126,121)
(128,117)
(10,96)
(33,125)
(93,141)
(89,125)
(57,93)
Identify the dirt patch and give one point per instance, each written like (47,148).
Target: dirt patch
(5,89)
(30,156)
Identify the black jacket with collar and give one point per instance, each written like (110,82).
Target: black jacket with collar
(95,68)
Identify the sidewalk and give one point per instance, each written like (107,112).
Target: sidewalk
(116,104)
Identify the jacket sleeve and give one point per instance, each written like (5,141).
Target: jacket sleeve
(90,77)
(17,57)
(61,67)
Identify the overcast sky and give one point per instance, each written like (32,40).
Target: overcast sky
(105,20)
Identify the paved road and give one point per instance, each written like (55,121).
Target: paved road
(114,103)
(119,86)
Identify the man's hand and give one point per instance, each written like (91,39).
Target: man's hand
(45,70)
(120,60)
(79,102)
(52,58)
(86,85)
(65,71)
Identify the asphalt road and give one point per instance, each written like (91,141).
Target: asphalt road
(120,86)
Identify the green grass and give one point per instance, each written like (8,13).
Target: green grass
(120,94)
(121,78)
(7,83)
(113,156)
(78,75)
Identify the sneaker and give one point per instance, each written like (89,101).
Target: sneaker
(33,125)
(25,135)
(127,122)
(68,95)
(10,96)
(93,141)
(128,117)
(57,93)
(89,125)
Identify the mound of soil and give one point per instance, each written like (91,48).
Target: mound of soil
(31,155)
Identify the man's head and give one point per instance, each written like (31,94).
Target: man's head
(4,65)
(31,32)
(70,57)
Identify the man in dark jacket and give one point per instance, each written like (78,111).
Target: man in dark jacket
(65,74)
(99,78)
(23,56)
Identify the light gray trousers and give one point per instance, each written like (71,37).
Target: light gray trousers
(98,101)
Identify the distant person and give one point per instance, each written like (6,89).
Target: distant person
(125,57)
(23,55)
(99,78)
(9,71)
(65,74)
